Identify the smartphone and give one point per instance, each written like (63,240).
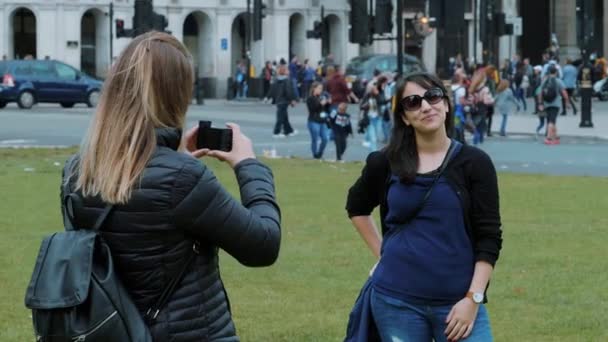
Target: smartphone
(213,138)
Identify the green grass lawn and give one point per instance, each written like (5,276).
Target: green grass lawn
(550,283)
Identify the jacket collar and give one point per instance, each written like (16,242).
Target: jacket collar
(169,137)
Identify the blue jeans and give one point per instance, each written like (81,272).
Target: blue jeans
(399,321)
(373,132)
(503,125)
(318,131)
(521,96)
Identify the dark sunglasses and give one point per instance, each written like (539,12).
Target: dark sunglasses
(414,102)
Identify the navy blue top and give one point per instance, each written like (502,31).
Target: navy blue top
(430,260)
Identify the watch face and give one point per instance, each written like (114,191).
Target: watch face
(478,297)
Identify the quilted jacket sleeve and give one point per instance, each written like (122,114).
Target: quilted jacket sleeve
(250,231)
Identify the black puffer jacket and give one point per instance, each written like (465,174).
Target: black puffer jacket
(177,201)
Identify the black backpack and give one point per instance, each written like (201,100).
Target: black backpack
(75,294)
(549,90)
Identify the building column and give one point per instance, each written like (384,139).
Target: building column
(176,22)
(565,25)
(605,16)
(223,59)
(280,32)
(47,39)
(4,32)
(429,52)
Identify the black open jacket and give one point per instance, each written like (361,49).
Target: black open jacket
(472,176)
(177,201)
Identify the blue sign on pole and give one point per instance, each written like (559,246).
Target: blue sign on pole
(224,43)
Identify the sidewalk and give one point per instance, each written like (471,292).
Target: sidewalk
(526,123)
(519,123)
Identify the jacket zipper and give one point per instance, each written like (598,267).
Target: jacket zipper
(83,337)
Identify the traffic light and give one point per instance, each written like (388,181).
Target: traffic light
(486,27)
(120,28)
(159,22)
(145,19)
(501,28)
(359,32)
(259,13)
(316,32)
(383,22)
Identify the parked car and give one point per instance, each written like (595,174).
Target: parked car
(28,82)
(361,69)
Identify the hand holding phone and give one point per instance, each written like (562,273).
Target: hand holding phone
(213,138)
(241,146)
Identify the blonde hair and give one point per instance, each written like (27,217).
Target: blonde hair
(148,87)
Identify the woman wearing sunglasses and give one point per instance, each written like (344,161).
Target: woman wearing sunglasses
(440,223)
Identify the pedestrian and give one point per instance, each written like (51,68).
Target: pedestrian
(239,80)
(318,117)
(521,85)
(371,109)
(481,102)
(459,94)
(342,128)
(283,95)
(308,78)
(439,214)
(570,74)
(492,81)
(505,102)
(552,90)
(168,207)
(267,75)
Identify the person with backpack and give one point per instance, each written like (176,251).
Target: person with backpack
(440,224)
(283,95)
(160,212)
(552,90)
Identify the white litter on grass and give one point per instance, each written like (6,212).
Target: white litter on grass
(272,153)
(57,163)
(29,169)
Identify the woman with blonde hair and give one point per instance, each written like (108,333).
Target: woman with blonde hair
(168,212)
(481,100)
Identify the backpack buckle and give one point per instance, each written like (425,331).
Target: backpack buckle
(196,247)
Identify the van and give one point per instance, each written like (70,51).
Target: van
(28,82)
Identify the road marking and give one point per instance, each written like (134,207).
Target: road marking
(17,142)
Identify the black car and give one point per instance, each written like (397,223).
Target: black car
(31,81)
(361,69)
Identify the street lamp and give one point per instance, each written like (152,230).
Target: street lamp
(585,36)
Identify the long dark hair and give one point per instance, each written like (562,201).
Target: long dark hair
(401,151)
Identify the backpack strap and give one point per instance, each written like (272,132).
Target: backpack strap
(453,145)
(176,278)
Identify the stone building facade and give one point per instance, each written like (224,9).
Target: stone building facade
(78,32)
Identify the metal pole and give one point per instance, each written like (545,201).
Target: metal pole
(586,86)
(475,40)
(111,31)
(249,27)
(399,15)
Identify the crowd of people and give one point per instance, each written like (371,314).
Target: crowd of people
(480,91)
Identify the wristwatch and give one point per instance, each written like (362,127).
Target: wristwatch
(477,297)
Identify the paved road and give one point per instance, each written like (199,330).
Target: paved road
(50,125)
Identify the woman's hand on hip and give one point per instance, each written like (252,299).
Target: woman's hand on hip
(242,148)
(461,319)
